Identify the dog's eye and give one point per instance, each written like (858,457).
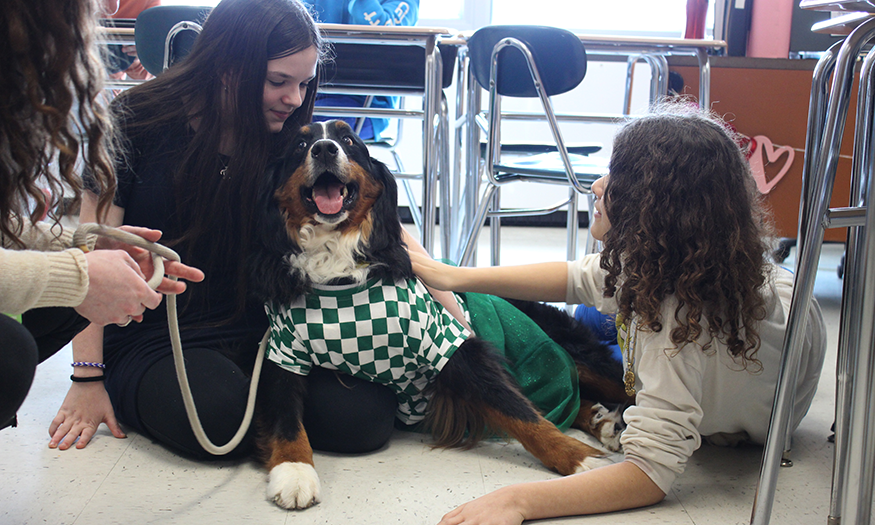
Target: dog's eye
(347,140)
(302,144)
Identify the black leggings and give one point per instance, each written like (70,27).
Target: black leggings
(352,416)
(41,333)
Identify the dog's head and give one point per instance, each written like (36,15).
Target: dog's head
(333,183)
(338,208)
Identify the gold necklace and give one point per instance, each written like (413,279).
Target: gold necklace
(629,353)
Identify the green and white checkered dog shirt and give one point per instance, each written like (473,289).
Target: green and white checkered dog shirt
(393,333)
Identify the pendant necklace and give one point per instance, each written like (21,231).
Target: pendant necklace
(224,171)
(629,353)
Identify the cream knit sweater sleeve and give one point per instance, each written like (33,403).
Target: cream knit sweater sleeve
(46,273)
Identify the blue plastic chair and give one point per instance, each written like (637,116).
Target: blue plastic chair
(532,62)
(165,34)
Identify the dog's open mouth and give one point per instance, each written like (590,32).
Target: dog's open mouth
(329,196)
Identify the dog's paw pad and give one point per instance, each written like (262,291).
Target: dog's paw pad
(594,462)
(607,426)
(293,485)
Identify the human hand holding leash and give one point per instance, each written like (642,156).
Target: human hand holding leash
(143,259)
(118,291)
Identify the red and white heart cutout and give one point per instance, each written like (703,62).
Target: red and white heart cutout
(772,154)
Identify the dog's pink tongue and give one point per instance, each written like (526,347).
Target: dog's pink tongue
(328,198)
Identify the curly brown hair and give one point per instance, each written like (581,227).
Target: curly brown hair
(686,221)
(49,64)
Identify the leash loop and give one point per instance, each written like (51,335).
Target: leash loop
(159,254)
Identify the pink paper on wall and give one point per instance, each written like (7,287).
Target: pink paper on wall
(770,29)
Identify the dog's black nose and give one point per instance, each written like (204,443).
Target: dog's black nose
(324,149)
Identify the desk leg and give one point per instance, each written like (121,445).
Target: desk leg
(430,136)
(808,255)
(704,79)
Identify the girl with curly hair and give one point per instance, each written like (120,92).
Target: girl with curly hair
(701,313)
(51,118)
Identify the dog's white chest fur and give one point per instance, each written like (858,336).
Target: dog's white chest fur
(327,255)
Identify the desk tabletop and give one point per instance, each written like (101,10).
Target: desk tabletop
(838,5)
(332,30)
(620,41)
(841,25)
(109,32)
(650,41)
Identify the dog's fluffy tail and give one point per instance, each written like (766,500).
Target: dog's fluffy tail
(454,423)
(469,392)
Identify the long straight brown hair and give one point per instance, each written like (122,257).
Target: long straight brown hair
(221,84)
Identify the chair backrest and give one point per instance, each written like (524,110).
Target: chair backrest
(155,24)
(398,67)
(559,55)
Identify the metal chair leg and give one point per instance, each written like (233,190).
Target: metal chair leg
(810,239)
(495,230)
(572,225)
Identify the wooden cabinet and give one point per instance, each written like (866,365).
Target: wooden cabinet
(770,97)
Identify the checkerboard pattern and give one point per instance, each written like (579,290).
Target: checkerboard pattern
(393,333)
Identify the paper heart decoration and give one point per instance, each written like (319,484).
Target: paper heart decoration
(765,147)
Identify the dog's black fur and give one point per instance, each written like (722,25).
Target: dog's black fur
(473,393)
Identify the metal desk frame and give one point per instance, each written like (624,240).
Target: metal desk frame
(432,114)
(852,487)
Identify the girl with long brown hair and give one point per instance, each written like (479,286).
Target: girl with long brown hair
(194,145)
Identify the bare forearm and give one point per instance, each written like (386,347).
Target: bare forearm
(88,346)
(446,298)
(610,488)
(606,489)
(532,282)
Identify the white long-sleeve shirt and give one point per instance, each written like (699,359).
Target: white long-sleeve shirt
(48,272)
(685,394)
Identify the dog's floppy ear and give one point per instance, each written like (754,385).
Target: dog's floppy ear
(384,242)
(269,272)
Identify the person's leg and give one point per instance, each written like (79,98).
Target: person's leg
(52,328)
(347,415)
(341,413)
(18,360)
(220,390)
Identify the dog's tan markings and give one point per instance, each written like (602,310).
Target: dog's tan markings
(297,451)
(558,452)
(611,391)
(360,215)
(289,199)
(583,421)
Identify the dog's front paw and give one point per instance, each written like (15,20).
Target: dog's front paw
(293,485)
(607,426)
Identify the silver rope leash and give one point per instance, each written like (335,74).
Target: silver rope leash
(159,254)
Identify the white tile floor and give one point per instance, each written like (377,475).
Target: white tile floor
(135,481)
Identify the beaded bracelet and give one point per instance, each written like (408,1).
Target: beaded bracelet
(91,379)
(85,363)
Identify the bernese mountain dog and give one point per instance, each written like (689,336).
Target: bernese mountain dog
(331,266)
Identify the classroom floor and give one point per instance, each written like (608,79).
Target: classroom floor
(135,481)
